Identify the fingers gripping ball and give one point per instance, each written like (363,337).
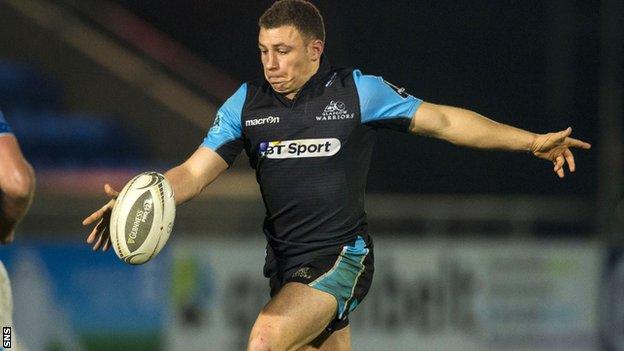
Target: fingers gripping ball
(142,218)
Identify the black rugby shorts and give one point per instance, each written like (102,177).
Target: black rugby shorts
(346,273)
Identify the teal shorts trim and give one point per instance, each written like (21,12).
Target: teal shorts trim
(342,279)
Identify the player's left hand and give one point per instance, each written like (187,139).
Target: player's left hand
(555,147)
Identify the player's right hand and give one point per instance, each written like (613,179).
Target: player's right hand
(101,231)
(555,147)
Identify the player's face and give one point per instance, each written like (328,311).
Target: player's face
(288,58)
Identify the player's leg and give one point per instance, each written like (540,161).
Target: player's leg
(339,340)
(6,299)
(292,319)
(6,308)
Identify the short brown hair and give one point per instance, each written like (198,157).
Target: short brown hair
(301,14)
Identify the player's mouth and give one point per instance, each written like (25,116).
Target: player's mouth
(277,80)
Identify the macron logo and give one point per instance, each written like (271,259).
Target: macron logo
(265,120)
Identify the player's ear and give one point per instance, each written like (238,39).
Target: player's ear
(315,49)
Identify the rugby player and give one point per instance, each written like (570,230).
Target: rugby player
(17,187)
(309,129)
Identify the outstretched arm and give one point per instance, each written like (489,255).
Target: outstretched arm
(468,128)
(17,186)
(192,176)
(187,180)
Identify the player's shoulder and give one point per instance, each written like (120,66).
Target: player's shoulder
(343,72)
(236,101)
(2,120)
(336,78)
(368,84)
(4,126)
(366,80)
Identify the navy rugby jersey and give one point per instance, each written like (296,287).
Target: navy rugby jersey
(4,126)
(311,154)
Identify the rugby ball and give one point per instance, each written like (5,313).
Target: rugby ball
(142,218)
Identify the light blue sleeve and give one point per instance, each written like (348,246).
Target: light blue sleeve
(381,101)
(4,126)
(227,126)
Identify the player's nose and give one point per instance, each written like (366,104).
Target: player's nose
(271,62)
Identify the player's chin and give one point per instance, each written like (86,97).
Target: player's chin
(280,88)
(284,86)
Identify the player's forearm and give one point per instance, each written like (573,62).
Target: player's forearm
(191,177)
(185,185)
(468,128)
(188,183)
(13,210)
(15,199)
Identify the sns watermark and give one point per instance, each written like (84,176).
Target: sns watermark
(6,337)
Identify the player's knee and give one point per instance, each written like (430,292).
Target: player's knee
(264,339)
(260,342)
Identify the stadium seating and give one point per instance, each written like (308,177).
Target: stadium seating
(53,138)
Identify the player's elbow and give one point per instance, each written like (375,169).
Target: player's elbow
(431,120)
(20,184)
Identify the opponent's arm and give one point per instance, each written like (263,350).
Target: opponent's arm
(17,186)
(468,128)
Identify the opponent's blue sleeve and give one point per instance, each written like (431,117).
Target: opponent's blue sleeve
(4,126)
(383,104)
(225,136)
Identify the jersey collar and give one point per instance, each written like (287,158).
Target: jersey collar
(323,71)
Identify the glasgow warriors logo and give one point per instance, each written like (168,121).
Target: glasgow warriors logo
(335,110)
(335,107)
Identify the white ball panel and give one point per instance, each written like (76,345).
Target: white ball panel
(157,206)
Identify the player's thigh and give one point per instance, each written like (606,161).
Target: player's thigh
(293,318)
(340,340)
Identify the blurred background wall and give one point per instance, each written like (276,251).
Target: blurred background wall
(476,250)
